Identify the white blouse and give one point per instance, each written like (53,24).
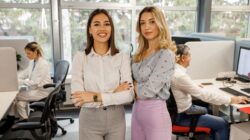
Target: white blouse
(35,76)
(183,87)
(102,74)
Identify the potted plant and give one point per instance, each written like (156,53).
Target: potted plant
(18,59)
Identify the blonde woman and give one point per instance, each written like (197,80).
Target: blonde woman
(33,77)
(153,67)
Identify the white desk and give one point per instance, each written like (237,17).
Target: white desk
(6,99)
(218,84)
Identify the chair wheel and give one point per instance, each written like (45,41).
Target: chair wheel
(71,121)
(64,132)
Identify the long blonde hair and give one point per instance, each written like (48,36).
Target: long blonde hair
(164,36)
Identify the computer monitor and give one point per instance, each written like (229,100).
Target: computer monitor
(183,40)
(243,67)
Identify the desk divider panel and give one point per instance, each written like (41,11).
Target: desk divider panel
(210,57)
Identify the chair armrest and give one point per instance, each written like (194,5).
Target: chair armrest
(26,126)
(49,85)
(37,105)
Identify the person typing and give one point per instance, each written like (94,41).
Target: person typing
(184,88)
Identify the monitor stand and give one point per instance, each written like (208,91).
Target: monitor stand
(241,79)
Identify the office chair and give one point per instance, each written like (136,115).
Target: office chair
(189,131)
(41,125)
(60,73)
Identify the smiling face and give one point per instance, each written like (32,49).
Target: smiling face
(100,28)
(148,26)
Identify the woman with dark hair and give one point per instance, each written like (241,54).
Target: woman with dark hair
(153,66)
(101,82)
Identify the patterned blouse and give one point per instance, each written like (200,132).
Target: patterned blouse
(153,75)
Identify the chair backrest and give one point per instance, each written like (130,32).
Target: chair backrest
(61,71)
(50,102)
(48,114)
(60,74)
(172,107)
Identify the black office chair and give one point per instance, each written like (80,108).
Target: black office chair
(189,131)
(60,73)
(41,125)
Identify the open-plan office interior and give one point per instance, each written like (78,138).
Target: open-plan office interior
(216,31)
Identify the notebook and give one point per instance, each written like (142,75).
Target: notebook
(8,70)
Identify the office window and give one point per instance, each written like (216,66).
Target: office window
(74,30)
(180,3)
(32,23)
(167,3)
(230,2)
(181,22)
(149,2)
(230,24)
(24,1)
(116,1)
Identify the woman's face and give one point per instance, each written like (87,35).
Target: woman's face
(100,28)
(148,26)
(30,54)
(186,59)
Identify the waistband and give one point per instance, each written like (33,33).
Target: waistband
(112,107)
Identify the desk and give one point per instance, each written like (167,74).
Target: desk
(6,98)
(240,130)
(215,88)
(219,84)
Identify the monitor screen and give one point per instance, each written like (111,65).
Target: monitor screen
(183,40)
(243,67)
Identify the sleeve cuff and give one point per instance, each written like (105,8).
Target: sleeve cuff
(106,99)
(229,100)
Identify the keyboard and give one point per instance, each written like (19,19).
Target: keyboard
(247,90)
(234,92)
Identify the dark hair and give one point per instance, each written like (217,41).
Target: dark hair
(90,40)
(34,46)
(182,49)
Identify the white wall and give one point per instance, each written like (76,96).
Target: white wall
(210,57)
(18,45)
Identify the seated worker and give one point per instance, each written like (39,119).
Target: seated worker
(184,88)
(33,77)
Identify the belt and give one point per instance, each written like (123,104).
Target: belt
(104,108)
